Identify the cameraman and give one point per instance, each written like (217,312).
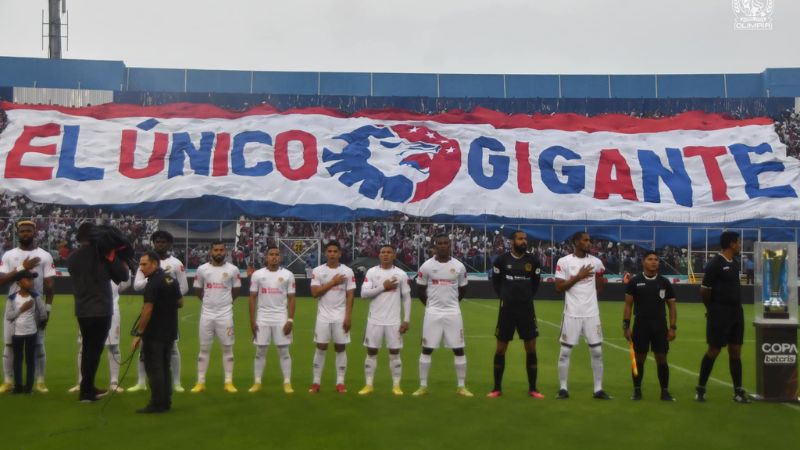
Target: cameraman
(92,269)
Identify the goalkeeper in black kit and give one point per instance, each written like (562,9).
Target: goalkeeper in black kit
(515,277)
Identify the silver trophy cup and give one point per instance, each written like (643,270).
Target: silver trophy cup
(775,265)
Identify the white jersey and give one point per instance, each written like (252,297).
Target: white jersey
(273,289)
(217,282)
(25,322)
(173,267)
(442,281)
(331,307)
(14,258)
(115,288)
(384,309)
(581,299)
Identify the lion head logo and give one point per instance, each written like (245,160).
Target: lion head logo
(401,163)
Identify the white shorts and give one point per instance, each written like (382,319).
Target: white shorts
(324,332)
(272,333)
(377,334)
(113,332)
(449,326)
(221,327)
(573,327)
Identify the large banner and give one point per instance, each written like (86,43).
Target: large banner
(191,160)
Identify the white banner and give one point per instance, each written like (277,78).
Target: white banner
(200,161)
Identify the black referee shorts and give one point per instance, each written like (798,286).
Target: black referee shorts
(724,325)
(650,334)
(519,316)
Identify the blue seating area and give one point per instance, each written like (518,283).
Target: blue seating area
(116,76)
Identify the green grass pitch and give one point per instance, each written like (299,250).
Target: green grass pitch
(271,419)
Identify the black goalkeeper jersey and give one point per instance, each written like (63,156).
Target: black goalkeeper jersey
(516,279)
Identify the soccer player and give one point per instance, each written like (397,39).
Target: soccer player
(646,294)
(386,287)
(334,284)
(272,303)
(721,295)
(515,277)
(580,276)
(27,256)
(112,342)
(216,284)
(162,245)
(442,281)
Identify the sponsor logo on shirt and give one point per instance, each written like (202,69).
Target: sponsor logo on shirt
(269,290)
(444,282)
(210,285)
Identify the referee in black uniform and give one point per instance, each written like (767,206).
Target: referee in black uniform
(157,328)
(515,277)
(646,294)
(721,295)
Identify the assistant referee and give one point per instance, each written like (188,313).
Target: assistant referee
(515,277)
(646,294)
(157,328)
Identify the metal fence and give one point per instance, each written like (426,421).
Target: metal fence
(683,250)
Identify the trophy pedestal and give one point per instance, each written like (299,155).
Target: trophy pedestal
(776,361)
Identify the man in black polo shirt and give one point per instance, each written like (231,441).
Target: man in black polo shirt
(646,294)
(158,327)
(721,294)
(515,277)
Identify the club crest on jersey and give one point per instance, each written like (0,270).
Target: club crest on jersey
(662,293)
(225,275)
(280,279)
(528,267)
(452,270)
(399,163)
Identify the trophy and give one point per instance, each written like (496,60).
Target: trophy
(774,268)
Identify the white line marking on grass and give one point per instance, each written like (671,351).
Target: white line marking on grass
(625,349)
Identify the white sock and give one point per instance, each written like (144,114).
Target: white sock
(341,366)
(396,367)
(8,364)
(80,353)
(286,363)
(113,363)
(41,359)
(424,368)
(597,366)
(319,364)
(142,374)
(461,369)
(259,363)
(227,362)
(175,364)
(370,363)
(563,365)
(202,363)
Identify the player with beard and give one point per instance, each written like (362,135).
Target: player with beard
(217,284)
(27,256)
(515,277)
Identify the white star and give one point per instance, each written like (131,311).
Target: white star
(413,129)
(430,135)
(449,150)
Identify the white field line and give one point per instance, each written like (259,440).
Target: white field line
(625,349)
